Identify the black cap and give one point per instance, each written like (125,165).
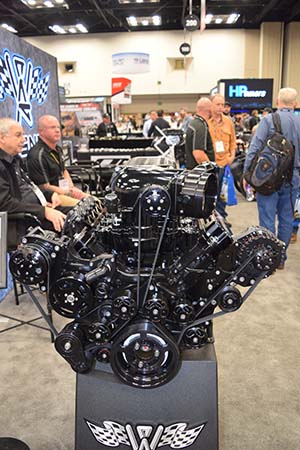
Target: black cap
(106,116)
(227,104)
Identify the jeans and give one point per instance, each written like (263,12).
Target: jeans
(221,205)
(280,204)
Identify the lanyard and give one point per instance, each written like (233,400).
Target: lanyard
(55,157)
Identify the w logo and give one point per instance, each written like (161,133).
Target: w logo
(113,434)
(23,83)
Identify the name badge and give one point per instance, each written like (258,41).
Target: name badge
(63,184)
(219,146)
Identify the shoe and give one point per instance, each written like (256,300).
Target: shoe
(293,238)
(281,266)
(227,223)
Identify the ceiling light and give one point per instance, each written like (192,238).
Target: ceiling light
(232,18)
(71,29)
(208,18)
(132,21)
(37,4)
(126,2)
(81,28)
(143,21)
(156,20)
(9,28)
(57,29)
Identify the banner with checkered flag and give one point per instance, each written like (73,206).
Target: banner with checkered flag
(24,83)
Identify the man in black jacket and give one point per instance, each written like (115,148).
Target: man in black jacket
(106,128)
(17,193)
(160,123)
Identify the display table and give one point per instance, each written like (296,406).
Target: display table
(182,413)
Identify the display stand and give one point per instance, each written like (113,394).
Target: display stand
(182,413)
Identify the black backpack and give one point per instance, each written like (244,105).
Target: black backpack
(273,164)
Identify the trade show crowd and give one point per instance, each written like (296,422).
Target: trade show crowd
(43,185)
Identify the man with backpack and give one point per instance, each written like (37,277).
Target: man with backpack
(278,204)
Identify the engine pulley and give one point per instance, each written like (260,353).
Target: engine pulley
(230,299)
(144,357)
(70,296)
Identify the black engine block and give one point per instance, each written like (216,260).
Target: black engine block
(143,274)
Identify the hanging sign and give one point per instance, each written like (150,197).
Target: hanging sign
(121,90)
(191,22)
(185,49)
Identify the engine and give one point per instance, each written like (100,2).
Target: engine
(142,275)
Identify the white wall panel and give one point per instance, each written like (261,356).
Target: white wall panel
(216,54)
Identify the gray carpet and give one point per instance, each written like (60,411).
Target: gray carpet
(258,363)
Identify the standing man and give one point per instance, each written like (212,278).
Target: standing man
(148,123)
(280,204)
(160,123)
(17,193)
(45,161)
(107,127)
(222,133)
(198,143)
(185,119)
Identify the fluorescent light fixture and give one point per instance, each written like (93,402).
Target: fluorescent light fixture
(69,29)
(9,28)
(126,2)
(232,18)
(143,21)
(208,18)
(37,4)
(132,21)
(225,19)
(156,20)
(81,28)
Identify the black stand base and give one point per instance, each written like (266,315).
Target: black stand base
(182,413)
(7,443)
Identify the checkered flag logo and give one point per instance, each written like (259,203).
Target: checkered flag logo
(23,83)
(177,436)
(113,434)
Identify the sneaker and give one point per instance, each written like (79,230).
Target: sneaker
(227,223)
(293,238)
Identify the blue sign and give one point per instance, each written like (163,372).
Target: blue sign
(251,93)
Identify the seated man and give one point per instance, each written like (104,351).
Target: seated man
(17,193)
(45,161)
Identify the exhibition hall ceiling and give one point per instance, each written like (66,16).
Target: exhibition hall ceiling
(102,16)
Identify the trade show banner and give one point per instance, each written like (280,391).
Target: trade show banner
(28,84)
(133,62)
(247,93)
(121,91)
(80,118)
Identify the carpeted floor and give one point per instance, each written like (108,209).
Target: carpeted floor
(258,365)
